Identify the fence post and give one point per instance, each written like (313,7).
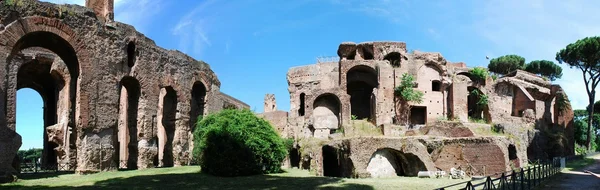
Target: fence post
(513,178)
(522,179)
(528,177)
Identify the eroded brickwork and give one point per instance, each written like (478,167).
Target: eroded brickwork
(121,101)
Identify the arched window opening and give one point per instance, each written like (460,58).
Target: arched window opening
(394,58)
(302,104)
(127,129)
(361,80)
(131,54)
(166,133)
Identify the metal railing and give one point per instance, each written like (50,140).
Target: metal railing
(36,167)
(523,178)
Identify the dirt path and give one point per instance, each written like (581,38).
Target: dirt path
(577,179)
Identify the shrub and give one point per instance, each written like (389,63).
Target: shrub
(237,143)
(406,91)
(479,73)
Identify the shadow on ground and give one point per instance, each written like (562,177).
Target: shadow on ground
(27,176)
(204,181)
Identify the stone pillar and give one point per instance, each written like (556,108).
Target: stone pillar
(270,103)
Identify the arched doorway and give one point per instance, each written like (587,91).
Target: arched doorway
(474,106)
(197,103)
(389,162)
(47,63)
(361,80)
(326,114)
(166,131)
(127,129)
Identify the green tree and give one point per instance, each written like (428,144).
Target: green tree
(584,54)
(238,143)
(406,94)
(545,68)
(581,128)
(506,64)
(30,155)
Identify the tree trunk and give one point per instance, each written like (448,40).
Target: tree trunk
(588,141)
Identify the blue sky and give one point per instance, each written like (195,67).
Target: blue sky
(251,44)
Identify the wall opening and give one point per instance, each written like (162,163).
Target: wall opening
(394,58)
(302,104)
(326,114)
(197,103)
(331,162)
(512,156)
(388,162)
(131,54)
(474,110)
(294,158)
(56,92)
(361,80)
(127,129)
(30,122)
(167,119)
(418,115)
(436,86)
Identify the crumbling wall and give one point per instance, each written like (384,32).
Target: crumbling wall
(98,56)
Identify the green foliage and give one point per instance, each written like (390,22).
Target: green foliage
(494,76)
(406,91)
(30,155)
(477,120)
(584,54)
(353,117)
(562,102)
(580,121)
(506,64)
(237,143)
(483,98)
(544,68)
(479,73)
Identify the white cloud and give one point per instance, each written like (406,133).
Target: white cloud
(192,31)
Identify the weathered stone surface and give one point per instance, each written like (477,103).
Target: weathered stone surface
(326,96)
(92,59)
(270,103)
(10,142)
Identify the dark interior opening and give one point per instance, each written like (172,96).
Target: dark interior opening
(168,120)
(394,58)
(294,158)
(418,115)
(474,110)
(197,104)
(132,86)
(331,163)
(361,80)
(302,104)
(436,86)
(512,152)
(131,54)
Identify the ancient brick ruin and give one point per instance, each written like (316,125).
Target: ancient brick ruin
(113,98)
(345,120)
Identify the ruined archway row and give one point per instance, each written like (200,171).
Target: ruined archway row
(96,79)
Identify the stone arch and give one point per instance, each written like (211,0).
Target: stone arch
(130,92)
(58,37)
(360,82)
(387,162)
(166,118)
(395,58)
(326,113)
(197,102)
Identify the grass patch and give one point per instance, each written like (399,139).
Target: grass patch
(578,164)
(188,177)
(361,128)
